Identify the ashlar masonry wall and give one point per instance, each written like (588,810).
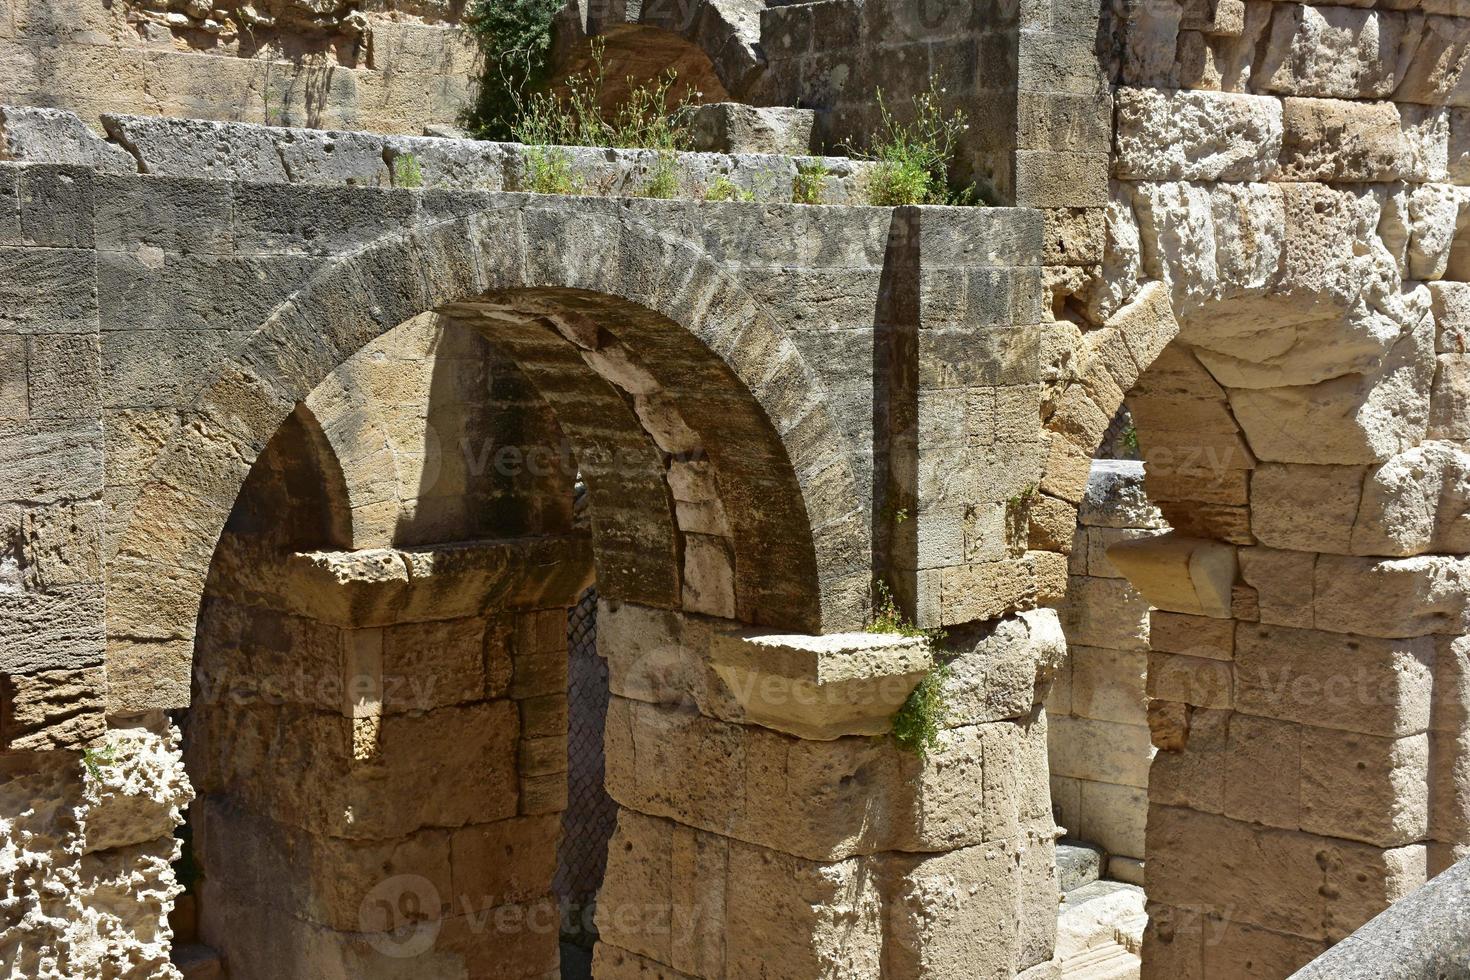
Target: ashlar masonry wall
(1098,744)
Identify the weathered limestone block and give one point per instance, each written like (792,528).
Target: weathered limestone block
(1351,419)
(1449,403)
(1107,685)
(856,796)
(1200,681)
(1194,636)
(1180,574)
(959,914)
(661,656)
(1086,748)
(1191,135)
(1434,215)
(1337,140)
(821,687)
(665,880)
(731,127)
(1305,508)
(1435,74)
(1262,761)
(1106,613)
(199,148)
(1363,787)
(138,790)
(1004,673)
(1299,883)
(1391,598)
(52,709)
(1336,52)
(335,791)
(1359,684)
(1282,583)
(32,134)
(1121,261)
(1415,503)
(1116,497)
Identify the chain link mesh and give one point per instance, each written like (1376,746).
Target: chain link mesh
(587,824)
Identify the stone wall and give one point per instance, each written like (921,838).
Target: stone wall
(391,68)
(88,848)
(1099,748)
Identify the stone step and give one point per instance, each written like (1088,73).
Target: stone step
(1078,863)
(1111,962)
(1100,931)
(198,962)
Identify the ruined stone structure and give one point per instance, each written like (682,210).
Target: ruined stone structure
(289,449)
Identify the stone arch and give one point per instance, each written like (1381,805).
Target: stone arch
(1276,353)
(776,454)
(725,34)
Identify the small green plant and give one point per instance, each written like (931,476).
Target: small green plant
(1018,518)
(1130,438)
(725,189)
(407,172)
(663,180)
(581,114)
(549,171)
(916,724)
(514,38)
(810,183)
(95,759)
(913,159)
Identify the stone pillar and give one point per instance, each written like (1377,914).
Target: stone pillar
(769,827)
(1098,735)
(381,758)
(1294,698)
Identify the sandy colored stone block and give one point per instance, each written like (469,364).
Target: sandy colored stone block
(1183,135)
(1282,880)
(1105,613)
(1198,681)
(1100,750)
(1336,140)
(1305,508)
(1178,573)
(1364,787)
(1256,953)
(821,687)
(1263,772)
(1333,680)
(1194,636)
(1395,597)
(56,709)
(998,674)
(1113,817)
(1284,582)
(956,913)
(1108,685)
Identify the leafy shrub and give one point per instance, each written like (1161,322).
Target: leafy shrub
(549,171)
(514,37)
(810,182)
(725,189)
(648,117)
(663,180)
(913,159)
(407,172)
(916,724)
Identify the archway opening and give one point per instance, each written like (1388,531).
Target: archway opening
(392,741)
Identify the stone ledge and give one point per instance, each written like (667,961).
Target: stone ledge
(821,687)
(164,146)
(389,586)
